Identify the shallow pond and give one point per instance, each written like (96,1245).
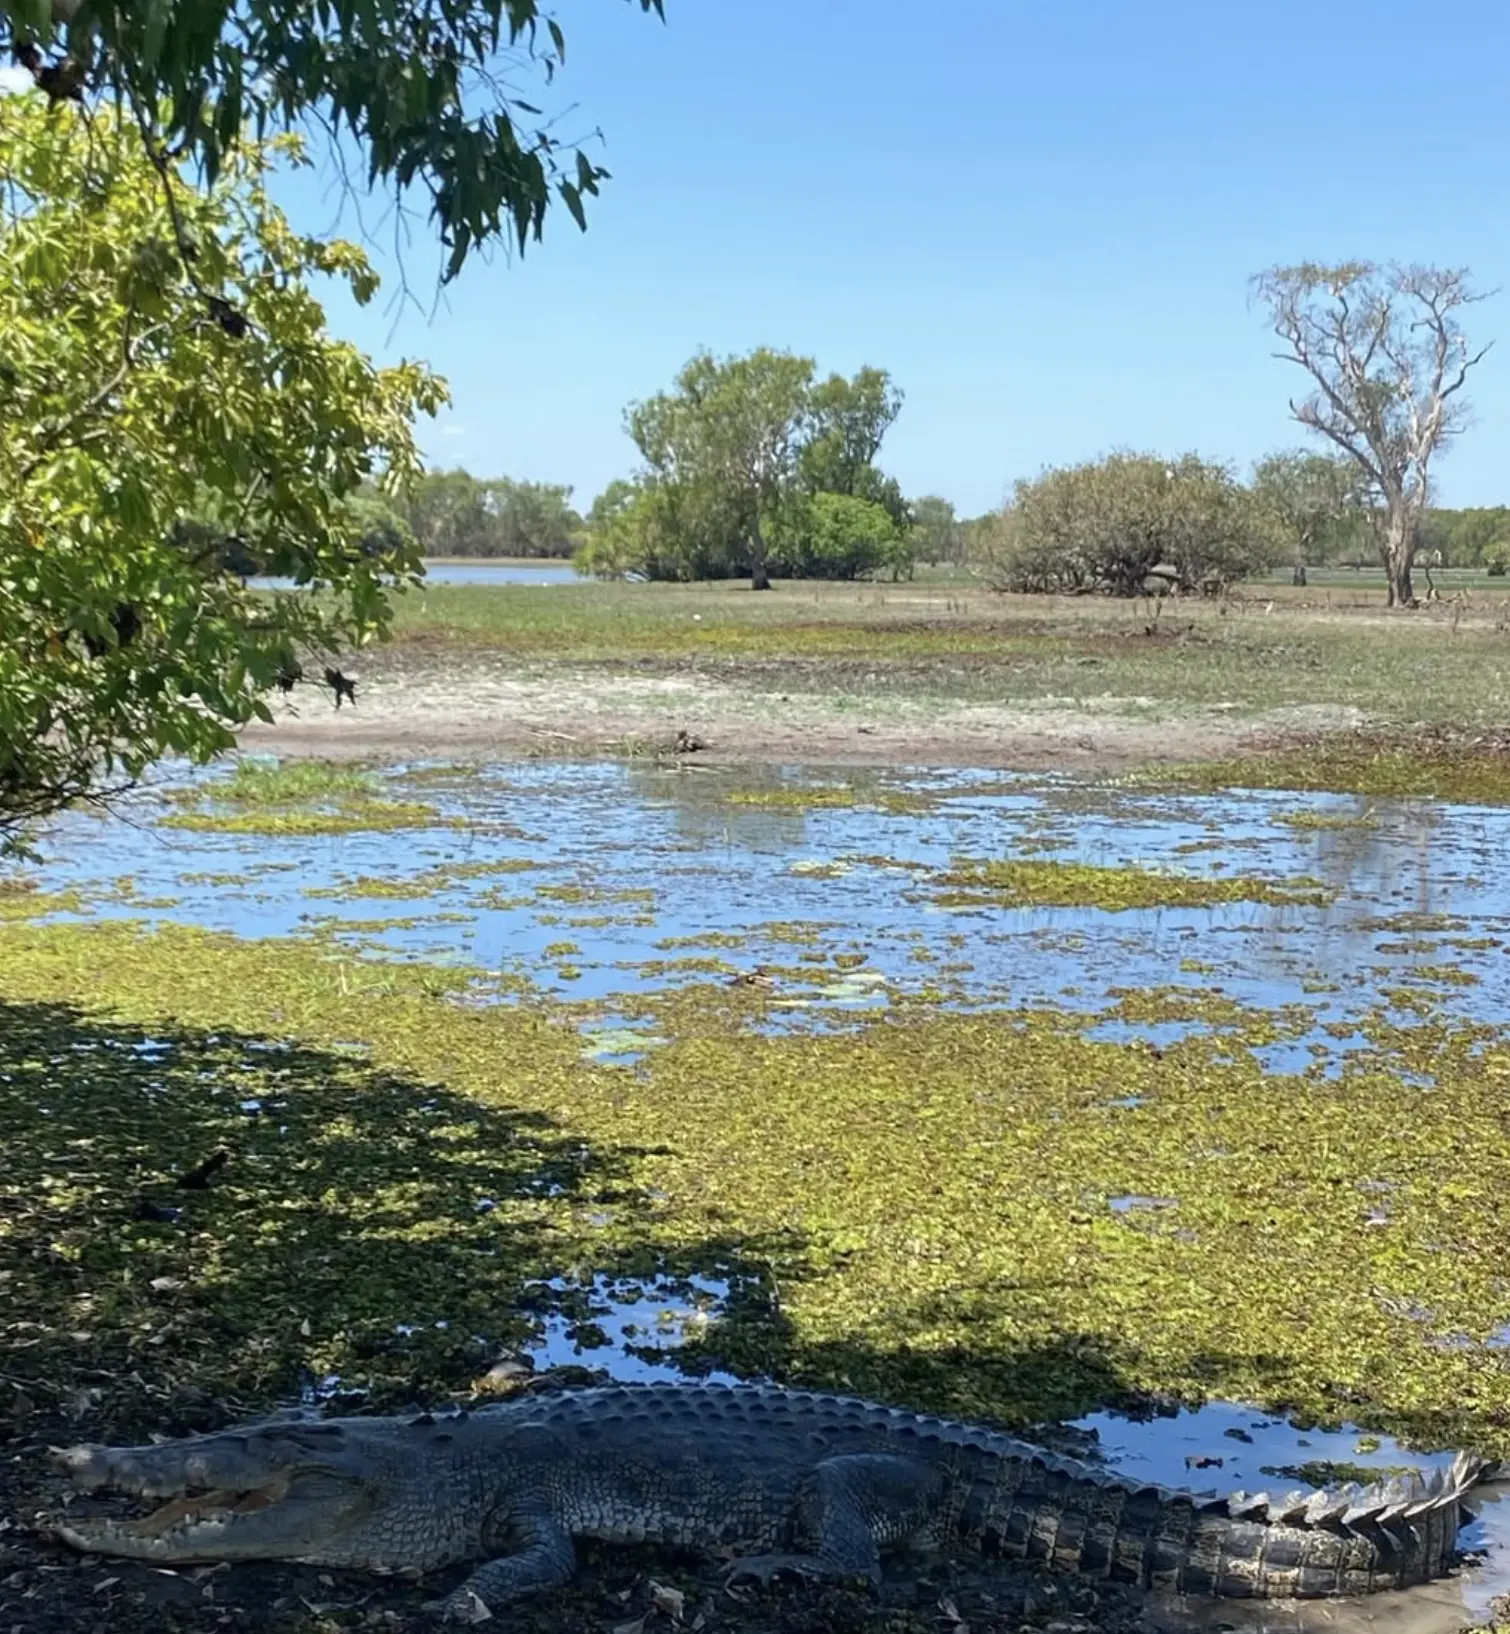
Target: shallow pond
(599,881)
(596,885)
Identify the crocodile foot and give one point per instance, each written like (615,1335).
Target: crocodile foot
(464,1606)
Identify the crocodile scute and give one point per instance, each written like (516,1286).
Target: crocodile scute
(778,1479)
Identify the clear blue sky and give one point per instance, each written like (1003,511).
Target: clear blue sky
(1040,218)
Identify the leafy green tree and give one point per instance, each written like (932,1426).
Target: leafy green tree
(1388,359)
(418,89)
(725,446)
(448,514)
(382,531)
(835,536)
(847,422)
(133,398)
(937,535)
(1317,501)
(534,518)
(621,532)
(455,514)
(736,450)
(1112,525)
(1466,537)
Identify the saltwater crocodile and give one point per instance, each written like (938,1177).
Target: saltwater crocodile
(778,1479)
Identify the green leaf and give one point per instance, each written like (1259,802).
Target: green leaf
(573,200)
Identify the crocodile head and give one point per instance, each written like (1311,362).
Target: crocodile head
(324,1494)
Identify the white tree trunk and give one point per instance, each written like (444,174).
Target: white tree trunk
(1397,551)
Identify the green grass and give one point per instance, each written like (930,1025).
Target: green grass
(265,796)
(263,781)
(1470,768)
(953,642)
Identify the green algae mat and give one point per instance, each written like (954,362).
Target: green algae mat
(924,1206)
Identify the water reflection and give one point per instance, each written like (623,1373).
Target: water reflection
(610,878)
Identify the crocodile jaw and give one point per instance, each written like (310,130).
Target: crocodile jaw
(188,1528)
(278,1520)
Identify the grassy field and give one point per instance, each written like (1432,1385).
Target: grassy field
(1248,654)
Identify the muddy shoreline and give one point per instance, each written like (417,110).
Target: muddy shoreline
(476,708)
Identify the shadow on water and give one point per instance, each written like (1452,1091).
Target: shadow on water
(191,1222)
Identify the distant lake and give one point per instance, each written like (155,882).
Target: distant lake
(478,572)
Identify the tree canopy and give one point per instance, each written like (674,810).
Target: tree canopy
(1319,502)
(425,93)
(455,514)
(1387,358)
(137,397)
(733,458)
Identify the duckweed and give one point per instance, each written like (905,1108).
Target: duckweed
(812,798)
(917,1206)
(1087,885)
(355,817)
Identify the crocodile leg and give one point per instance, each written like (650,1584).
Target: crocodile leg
(545,1560)
(852,1506)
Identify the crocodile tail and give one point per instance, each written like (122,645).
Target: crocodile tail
(1344,1540)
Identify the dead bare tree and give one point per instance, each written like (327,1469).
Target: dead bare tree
(1388,358)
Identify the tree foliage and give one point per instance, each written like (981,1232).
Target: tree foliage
(1319,502)
(830,535)
(847,420)
(417,88)
(732,457)
(137,399)
(1386,353)
(937,534)
(1473,537)
(454,514)
(1116,524)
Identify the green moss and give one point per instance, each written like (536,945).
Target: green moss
(264,781)
(971,883)
(427,883)
(23,899)
(1325,819)
(295,798)
(354,818)
(593,893)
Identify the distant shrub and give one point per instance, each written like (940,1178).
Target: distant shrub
(1124,523)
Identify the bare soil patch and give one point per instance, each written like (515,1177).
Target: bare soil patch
(478,705)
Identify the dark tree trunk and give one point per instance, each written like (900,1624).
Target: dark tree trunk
(760,569)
